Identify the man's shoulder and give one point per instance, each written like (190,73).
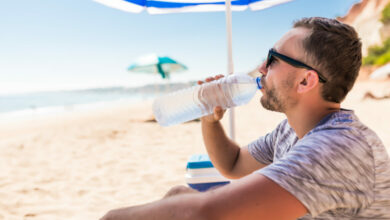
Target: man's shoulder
(340,119)
(342,133)
(340,125)
(337,122)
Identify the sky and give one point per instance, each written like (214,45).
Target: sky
(71,44)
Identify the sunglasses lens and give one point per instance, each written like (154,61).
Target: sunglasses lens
(270,59)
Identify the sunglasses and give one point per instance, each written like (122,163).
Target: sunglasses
(271,57)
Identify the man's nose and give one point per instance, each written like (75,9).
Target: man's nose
(263,69)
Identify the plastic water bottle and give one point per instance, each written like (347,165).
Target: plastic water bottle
(200,100)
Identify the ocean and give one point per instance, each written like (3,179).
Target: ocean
(47,102)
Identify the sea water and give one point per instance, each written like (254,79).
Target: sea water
(52,102)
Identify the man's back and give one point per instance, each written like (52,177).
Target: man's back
(339,170)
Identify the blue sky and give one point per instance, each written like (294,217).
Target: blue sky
(63,44)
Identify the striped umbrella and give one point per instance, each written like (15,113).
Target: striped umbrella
(177,6)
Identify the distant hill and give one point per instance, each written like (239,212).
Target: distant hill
(365,18)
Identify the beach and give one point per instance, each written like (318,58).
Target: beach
(80,164)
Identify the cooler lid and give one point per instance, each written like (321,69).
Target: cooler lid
(199,161)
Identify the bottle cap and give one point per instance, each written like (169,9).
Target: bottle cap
(258,81)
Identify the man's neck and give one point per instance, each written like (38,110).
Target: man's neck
(304,118)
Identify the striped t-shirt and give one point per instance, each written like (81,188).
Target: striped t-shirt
(339,170)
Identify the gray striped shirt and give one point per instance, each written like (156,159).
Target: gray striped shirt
(339,170)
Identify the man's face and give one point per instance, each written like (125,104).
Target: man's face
(275,97)
(279,79)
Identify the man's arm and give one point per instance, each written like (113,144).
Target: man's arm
(229,159)
(252,197)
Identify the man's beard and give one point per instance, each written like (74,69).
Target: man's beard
(271,100)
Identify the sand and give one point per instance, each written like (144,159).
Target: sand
(80,164)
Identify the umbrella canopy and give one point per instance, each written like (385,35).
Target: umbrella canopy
(156,64)
(381,72)
(174,6)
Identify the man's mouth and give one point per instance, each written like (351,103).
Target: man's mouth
(262,82)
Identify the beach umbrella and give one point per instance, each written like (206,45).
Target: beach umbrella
(177,6)
(152,63)
(381,72)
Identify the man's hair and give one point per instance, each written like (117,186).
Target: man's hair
(334,49)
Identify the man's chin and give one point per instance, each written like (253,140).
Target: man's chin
(264,102)
(267,105)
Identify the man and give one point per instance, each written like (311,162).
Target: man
(320,162)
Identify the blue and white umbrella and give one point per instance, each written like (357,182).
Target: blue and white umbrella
(178,6)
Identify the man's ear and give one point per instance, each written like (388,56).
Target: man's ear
(308,81)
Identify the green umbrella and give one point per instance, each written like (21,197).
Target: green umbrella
(157,64)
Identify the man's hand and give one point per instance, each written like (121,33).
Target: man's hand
(218,111)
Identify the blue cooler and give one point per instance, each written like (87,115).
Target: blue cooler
(202,175)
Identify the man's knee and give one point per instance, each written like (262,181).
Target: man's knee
(180,189)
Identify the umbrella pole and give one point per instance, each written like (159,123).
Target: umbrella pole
(228,13)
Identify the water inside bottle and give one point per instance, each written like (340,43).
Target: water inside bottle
(225,95)
(212,95)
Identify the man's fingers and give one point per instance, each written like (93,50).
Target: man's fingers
(219,76)
(209,79)
(218,113)
(218,110)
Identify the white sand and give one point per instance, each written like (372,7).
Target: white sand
(79,165)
